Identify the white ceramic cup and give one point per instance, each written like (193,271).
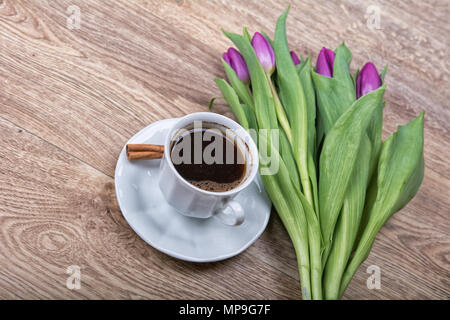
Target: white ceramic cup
(192,201)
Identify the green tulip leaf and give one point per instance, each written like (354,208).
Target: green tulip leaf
(233,101)
(338,157)
(399,175)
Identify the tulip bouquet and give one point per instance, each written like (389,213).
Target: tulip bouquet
(336,182)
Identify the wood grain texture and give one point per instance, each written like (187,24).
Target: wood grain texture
(70,99)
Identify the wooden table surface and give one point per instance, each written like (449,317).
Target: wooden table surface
(70,99)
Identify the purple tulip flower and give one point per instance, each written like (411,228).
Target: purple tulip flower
(295,58)
(368,80)
(264,52)
(237,62)
(325,60)
(226,58)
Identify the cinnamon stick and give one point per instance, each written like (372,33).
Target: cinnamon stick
(145,147)
(144,151)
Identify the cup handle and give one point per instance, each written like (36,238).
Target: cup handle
(231,213)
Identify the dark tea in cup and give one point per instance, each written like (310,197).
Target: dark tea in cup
(208,157)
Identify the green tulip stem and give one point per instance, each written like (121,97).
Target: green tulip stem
(279,109)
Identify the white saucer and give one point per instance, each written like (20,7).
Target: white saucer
(158,224)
